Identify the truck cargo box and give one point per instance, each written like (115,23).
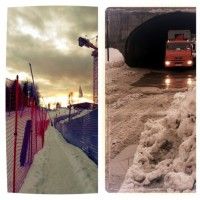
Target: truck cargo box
(174,34)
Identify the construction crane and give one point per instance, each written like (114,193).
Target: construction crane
(86,42)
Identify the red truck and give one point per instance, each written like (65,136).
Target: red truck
(179,49)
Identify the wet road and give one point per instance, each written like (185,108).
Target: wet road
(168,79)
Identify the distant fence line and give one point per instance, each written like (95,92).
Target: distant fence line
(81,132)
(25,127)
(63,117)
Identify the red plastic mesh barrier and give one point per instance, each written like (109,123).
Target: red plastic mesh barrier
(25,128)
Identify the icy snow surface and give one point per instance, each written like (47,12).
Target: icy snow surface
(60,168)
(165,158)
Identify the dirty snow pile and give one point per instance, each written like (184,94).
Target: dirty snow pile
(119,76)
(165,158)
(116,59)
(60,168)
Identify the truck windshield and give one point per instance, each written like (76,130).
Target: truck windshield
(178,46)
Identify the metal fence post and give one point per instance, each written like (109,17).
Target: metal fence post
(15,133)
(42,125)
(36,127)
(31,136)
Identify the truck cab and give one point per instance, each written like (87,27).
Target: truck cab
(179,50)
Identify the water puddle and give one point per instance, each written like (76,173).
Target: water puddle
(167,80)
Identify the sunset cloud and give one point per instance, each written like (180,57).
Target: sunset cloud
(47,37)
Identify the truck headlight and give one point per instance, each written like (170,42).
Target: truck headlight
(167,63)
(189,62)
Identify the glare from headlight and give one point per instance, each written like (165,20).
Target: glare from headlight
(189,81)
(167,81)
(189,62)
(167,63)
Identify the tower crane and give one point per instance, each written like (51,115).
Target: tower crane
(86,42)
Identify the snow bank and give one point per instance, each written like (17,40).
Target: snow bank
(78,115)
(165,158)
(82,113)
(58,112)
(116,59)
(60,168)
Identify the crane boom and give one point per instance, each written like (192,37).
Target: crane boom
(85,42)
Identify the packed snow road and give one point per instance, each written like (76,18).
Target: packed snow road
(135,96)
(60,168)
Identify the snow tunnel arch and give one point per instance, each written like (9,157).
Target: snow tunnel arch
(145,46)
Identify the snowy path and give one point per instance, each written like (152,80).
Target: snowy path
(60,168)
(119,166)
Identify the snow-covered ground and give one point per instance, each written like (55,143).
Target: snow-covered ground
(129,109)
(60,168)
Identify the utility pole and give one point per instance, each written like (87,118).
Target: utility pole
(32,75)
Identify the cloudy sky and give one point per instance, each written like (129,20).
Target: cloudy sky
(47,37)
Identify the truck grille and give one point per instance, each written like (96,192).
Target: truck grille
(179,58)
(179,62)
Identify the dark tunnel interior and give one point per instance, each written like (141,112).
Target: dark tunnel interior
(145,46)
